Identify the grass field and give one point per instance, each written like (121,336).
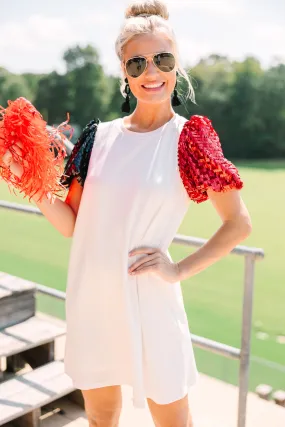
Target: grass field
(32,249)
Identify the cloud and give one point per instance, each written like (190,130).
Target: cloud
(101,18)
(271,32)
(37,43)
(192,50)
(35,33)
(270,36)
(219,7)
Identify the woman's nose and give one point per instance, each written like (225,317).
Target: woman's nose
(151,68)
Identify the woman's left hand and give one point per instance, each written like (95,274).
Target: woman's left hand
(155,261)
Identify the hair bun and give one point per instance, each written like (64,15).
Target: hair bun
(147,7)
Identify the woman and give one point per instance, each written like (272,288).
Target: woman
(130,183)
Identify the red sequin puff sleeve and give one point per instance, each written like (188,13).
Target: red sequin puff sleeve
(201,162)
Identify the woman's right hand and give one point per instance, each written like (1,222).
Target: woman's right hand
(61,214)
(15,167)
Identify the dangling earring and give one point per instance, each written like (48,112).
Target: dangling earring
(126,107)
(175,99)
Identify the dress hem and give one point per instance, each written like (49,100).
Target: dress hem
(137,403)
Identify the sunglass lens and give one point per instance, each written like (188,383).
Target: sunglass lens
(164,61)
(135,66)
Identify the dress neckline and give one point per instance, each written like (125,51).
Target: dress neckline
(125,130)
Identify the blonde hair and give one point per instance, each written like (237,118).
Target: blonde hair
(148,17)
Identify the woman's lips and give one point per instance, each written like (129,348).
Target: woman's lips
(153,89)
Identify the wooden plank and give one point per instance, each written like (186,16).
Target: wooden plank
(62,421)
(4,290)
(32,419)
(11,284)
(1,368)
(70,409)
(17,300)
(28,334)
(39,356)
(77,397)
(11,296)
(14,311)
(35,357)
(15,363)
(24,393)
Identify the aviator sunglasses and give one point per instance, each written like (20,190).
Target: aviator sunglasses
(136,65)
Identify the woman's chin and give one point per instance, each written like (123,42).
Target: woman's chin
(154,99)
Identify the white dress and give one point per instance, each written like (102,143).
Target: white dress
(124,329)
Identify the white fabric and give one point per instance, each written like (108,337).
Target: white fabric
(124,329)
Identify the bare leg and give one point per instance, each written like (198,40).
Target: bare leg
(103,406)
(176,414)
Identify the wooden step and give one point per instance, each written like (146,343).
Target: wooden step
(31,341)
(22,397)
(17,300)
(31,333)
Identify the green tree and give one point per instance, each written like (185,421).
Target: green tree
(54,97)
(241,119)
(271,112)
(90,92)
(245,103)
(12,86)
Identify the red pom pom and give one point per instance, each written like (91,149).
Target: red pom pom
(202,164)
(40,153)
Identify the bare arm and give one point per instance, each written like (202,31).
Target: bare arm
(62,214)
(235,228)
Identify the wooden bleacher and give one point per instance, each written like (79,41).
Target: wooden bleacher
(30,377)
(35,391)
(22,397)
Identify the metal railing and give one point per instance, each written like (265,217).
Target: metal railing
(242,354)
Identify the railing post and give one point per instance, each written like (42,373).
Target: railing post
(245,339)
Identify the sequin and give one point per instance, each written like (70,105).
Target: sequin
(77,164)
(201,161)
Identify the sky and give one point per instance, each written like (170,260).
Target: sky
(35,34)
